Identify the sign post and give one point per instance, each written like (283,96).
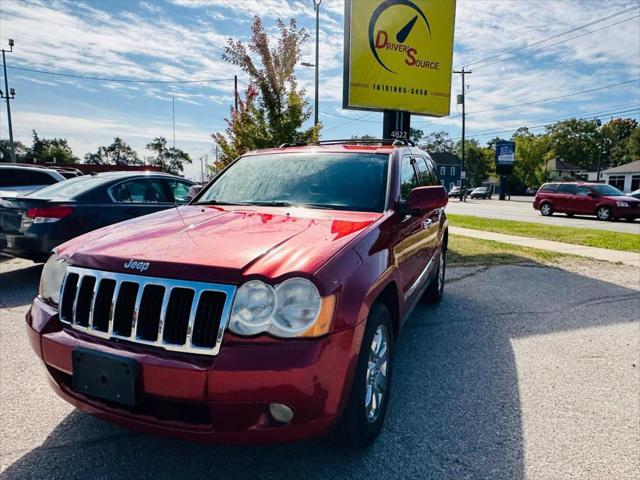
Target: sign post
(398,59)
(505,159)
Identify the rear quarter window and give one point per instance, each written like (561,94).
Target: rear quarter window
(549,188)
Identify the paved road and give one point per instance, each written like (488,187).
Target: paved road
(521,209)
(522,371)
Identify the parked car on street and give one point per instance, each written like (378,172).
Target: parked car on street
(481,192)
(17,180)
(580,198)
(266,310)
(531,191)
(33,224)
(455,192)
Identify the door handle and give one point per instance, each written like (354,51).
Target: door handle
(427,223)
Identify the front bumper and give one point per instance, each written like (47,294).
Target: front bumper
(213,399)
(625,212)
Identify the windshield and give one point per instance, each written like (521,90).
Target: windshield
(344,181)
(68,189)
(607,190)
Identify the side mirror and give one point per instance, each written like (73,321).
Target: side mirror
(426,199)
(193,191)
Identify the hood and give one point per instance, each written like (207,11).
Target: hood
(210,243)
(620,198)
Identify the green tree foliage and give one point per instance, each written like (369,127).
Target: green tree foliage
(45,150)
(532,153)
(5,151)
(274,108)
(415,135)
(479,162)
(437,142)
(575,141)
(118,153)
(170,160)
(616,141)
(633,144)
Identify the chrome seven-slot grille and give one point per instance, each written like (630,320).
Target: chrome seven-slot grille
(175,315)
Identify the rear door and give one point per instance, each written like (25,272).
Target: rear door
(139,196)
(565,198)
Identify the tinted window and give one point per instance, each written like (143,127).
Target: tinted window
(69,188)
(179,190)
(16,177)
(583,191)
(549,188)
(426,171)
(141,190)
(408,177)
(348,181)
(607,190)
(567,189)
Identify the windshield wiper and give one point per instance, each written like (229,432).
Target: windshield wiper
(216,202)
(273,203)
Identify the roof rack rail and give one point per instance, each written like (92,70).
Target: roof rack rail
(297,144)
(368,141)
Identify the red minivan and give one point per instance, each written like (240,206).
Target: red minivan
(265,310)
(579,198)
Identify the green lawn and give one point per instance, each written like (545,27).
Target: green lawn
(467,251)
(629,242)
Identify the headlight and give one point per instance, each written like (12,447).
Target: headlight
(51,278)
(622,204)
(292,309)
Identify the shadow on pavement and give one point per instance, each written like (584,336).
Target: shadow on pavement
(19,287)
(455,410)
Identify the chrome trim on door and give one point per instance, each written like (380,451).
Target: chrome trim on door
(421,278)
(142,282)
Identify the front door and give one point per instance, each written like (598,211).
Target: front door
(585,201)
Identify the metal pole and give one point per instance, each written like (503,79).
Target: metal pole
(173,113)
(462,72)
(316,6)
(600,154)
(235,92)
(8,99)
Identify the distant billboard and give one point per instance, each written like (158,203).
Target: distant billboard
(398,55)
(505,153)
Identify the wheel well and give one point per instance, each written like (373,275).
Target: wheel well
(389,297)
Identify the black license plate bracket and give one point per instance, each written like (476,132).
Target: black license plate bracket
(104,375)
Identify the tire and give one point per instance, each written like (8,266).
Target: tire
(363,419)
(546,209)
(604,213)
(434,292)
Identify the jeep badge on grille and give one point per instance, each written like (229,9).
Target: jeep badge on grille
(135,265)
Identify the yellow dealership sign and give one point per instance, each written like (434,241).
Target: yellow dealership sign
(398,55)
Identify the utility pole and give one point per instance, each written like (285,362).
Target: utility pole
(316,7)
(599,123)
(235,92)
(173,115)
(8,95)
(461,101)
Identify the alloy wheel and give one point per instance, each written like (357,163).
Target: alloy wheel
(376,381)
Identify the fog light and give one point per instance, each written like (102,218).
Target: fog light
(280,412)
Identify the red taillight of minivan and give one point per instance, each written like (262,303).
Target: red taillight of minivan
(48,214)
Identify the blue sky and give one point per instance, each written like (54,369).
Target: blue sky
(183,40)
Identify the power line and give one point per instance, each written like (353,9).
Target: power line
(538,42)
(558,43)
(120,80)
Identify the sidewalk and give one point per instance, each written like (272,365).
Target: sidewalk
(628,258)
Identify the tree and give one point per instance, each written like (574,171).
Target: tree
(118,153)
(170,160)
(479,162)
(616,141)
(274,108)
(633,144)
(55,150)
(575,141)
(437,142)
(5,151)
(531,158)
(415,135)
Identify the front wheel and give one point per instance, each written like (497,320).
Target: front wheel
(365,413)
(603,213)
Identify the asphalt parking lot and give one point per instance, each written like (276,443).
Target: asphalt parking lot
(521,209)
(522,371)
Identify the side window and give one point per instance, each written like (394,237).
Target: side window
(408,177)
(549,188)
(567,189)
(424,171)
(583,191)
(453,171)
(443,171)
(179,190)
(141,190)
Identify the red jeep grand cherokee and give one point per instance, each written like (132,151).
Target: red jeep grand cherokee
(603,201)
(265,310)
